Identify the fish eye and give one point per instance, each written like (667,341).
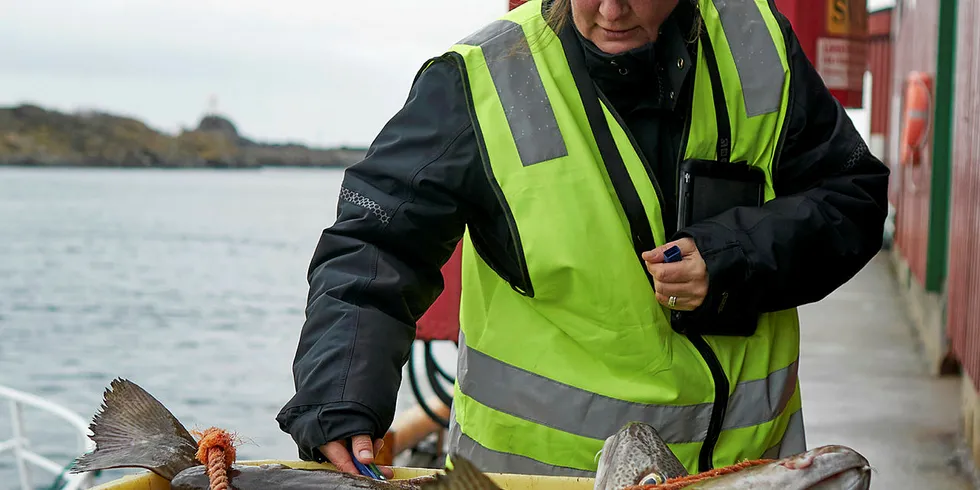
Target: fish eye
(653,479)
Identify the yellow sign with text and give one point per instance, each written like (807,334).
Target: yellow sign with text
(847,17)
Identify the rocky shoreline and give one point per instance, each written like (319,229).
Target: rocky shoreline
(36,137)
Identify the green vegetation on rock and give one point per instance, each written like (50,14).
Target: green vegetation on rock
(31,135)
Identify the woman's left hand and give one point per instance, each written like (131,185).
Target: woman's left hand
(685,283)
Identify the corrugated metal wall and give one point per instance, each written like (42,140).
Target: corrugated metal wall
(915,50)
(963,276)
(880,50)
(880,64)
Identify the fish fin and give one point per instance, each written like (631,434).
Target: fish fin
(463,476)
(134,430)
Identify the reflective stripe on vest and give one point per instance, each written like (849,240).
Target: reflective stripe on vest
(544,377)
(532,397)
(793,442)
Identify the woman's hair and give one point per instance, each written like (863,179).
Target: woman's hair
(559,13)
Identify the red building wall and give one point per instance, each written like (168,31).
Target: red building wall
(915,34)
(963,275)
(880,49)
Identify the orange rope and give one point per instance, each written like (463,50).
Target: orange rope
(217,473)
(683,481)
(216,450)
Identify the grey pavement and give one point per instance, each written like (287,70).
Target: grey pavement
(864,385)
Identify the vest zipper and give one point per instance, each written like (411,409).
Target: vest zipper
(720,404)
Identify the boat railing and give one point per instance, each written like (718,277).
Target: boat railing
(20,445)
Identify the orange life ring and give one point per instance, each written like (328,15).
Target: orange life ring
(917,116)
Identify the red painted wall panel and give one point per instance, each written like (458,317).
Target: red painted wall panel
(880,65)
(441,320)
(915,37)
(963,278)
(880,48)
(837,28)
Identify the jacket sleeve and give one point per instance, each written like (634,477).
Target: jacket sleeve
(825,224)
(400,214)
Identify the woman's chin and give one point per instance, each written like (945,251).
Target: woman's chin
(615,42)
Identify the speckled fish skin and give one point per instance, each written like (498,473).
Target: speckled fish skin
(244,477)
(830,468)
(631,454)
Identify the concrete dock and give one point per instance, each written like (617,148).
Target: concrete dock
(865,385)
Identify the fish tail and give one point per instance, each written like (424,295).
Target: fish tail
(462,476)
(134,430)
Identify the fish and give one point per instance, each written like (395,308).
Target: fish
(636,457)
(831,467)
(132,429)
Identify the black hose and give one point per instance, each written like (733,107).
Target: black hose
(442,372)
(413,381)
(431,369)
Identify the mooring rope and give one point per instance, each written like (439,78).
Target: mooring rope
(216,450)
(684,481)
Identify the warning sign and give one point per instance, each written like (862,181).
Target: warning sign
(842,63)
(847,17)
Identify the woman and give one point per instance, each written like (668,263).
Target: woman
(550,142)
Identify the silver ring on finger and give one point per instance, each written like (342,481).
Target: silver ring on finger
(671,301)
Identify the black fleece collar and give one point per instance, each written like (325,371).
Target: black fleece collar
(663,64)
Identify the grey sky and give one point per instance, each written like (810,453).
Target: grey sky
(324,72)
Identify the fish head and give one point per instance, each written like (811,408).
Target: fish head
(823,468)
(832,466)
(636,455)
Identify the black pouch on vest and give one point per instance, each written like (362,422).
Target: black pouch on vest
(707,188)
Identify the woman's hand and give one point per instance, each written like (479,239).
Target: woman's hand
(336,453)
(680,285)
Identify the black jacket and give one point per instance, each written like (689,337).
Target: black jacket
(403,209)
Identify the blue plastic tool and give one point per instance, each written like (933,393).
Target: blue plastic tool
(370,471)
(672,254)
(377,471)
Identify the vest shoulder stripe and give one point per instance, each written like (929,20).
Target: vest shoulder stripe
(489,32)
(521,91)
(531,397)
(756,58)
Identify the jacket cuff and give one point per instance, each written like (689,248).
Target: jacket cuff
(312,427)
(728,270)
